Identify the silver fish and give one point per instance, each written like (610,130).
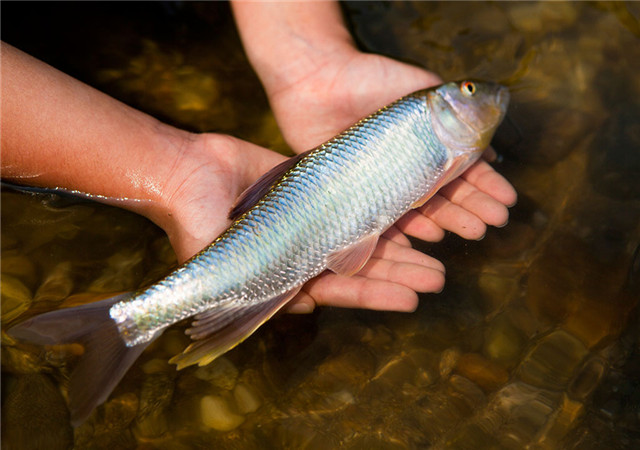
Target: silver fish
(324,209)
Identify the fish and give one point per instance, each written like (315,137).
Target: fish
(323,209)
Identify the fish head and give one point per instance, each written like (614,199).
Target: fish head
(465,115)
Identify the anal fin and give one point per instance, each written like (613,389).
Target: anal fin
(217,331)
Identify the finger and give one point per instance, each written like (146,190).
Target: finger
(485,207)
(416,277)
(485,178)
(489,154)
(354,292)
(397,236)
(391,251)
(415,224)
(455,218)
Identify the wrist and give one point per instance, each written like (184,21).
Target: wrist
(287,42)
(175,156)
(192,208)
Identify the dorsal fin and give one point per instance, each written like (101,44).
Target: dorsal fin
(257,190)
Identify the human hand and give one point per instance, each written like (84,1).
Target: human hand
(334,94)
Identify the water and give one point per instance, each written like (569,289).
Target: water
(534,341)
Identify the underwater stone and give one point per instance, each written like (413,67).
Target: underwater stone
(587,378)
(524,410)
(34,415)
(157,365)
(396,371)
(122,272)
(109,428)
(221,373)
(504,342)
(57,285)
(560,424)
(542,17)
(247,399)
(18,265)
(155,396)
(16,298)
(485,373)
(552,361)
(448,361)
(152,425)
(498,284)
(174,342)
(216,413)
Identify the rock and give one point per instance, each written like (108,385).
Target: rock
(221,373)
(247,399)
(16,298)
(34,415)
(216,413)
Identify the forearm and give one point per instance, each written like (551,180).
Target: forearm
(285,41)
(59,132)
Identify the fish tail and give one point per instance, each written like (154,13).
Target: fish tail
(106,357)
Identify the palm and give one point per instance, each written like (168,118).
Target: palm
(207,185)
(339,92)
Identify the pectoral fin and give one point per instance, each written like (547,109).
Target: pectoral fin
(350,260)
(217,331)
(449,174)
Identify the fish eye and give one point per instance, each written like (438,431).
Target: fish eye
(468,88)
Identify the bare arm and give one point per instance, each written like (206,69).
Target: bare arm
(58,132)
(285,41)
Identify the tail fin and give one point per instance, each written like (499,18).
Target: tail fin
(105,360)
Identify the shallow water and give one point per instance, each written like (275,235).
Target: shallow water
(534,341)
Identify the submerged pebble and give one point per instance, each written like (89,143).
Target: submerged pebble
(57,285)
(542,16)
(448,361)
(247,398)
(216,413)
(504,341)
(33,404)
(16,264)
(485,373)
(552,361)
(16,298)
(221,373)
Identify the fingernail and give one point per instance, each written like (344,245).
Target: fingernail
(481,237)
(503,225)
(300,308)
